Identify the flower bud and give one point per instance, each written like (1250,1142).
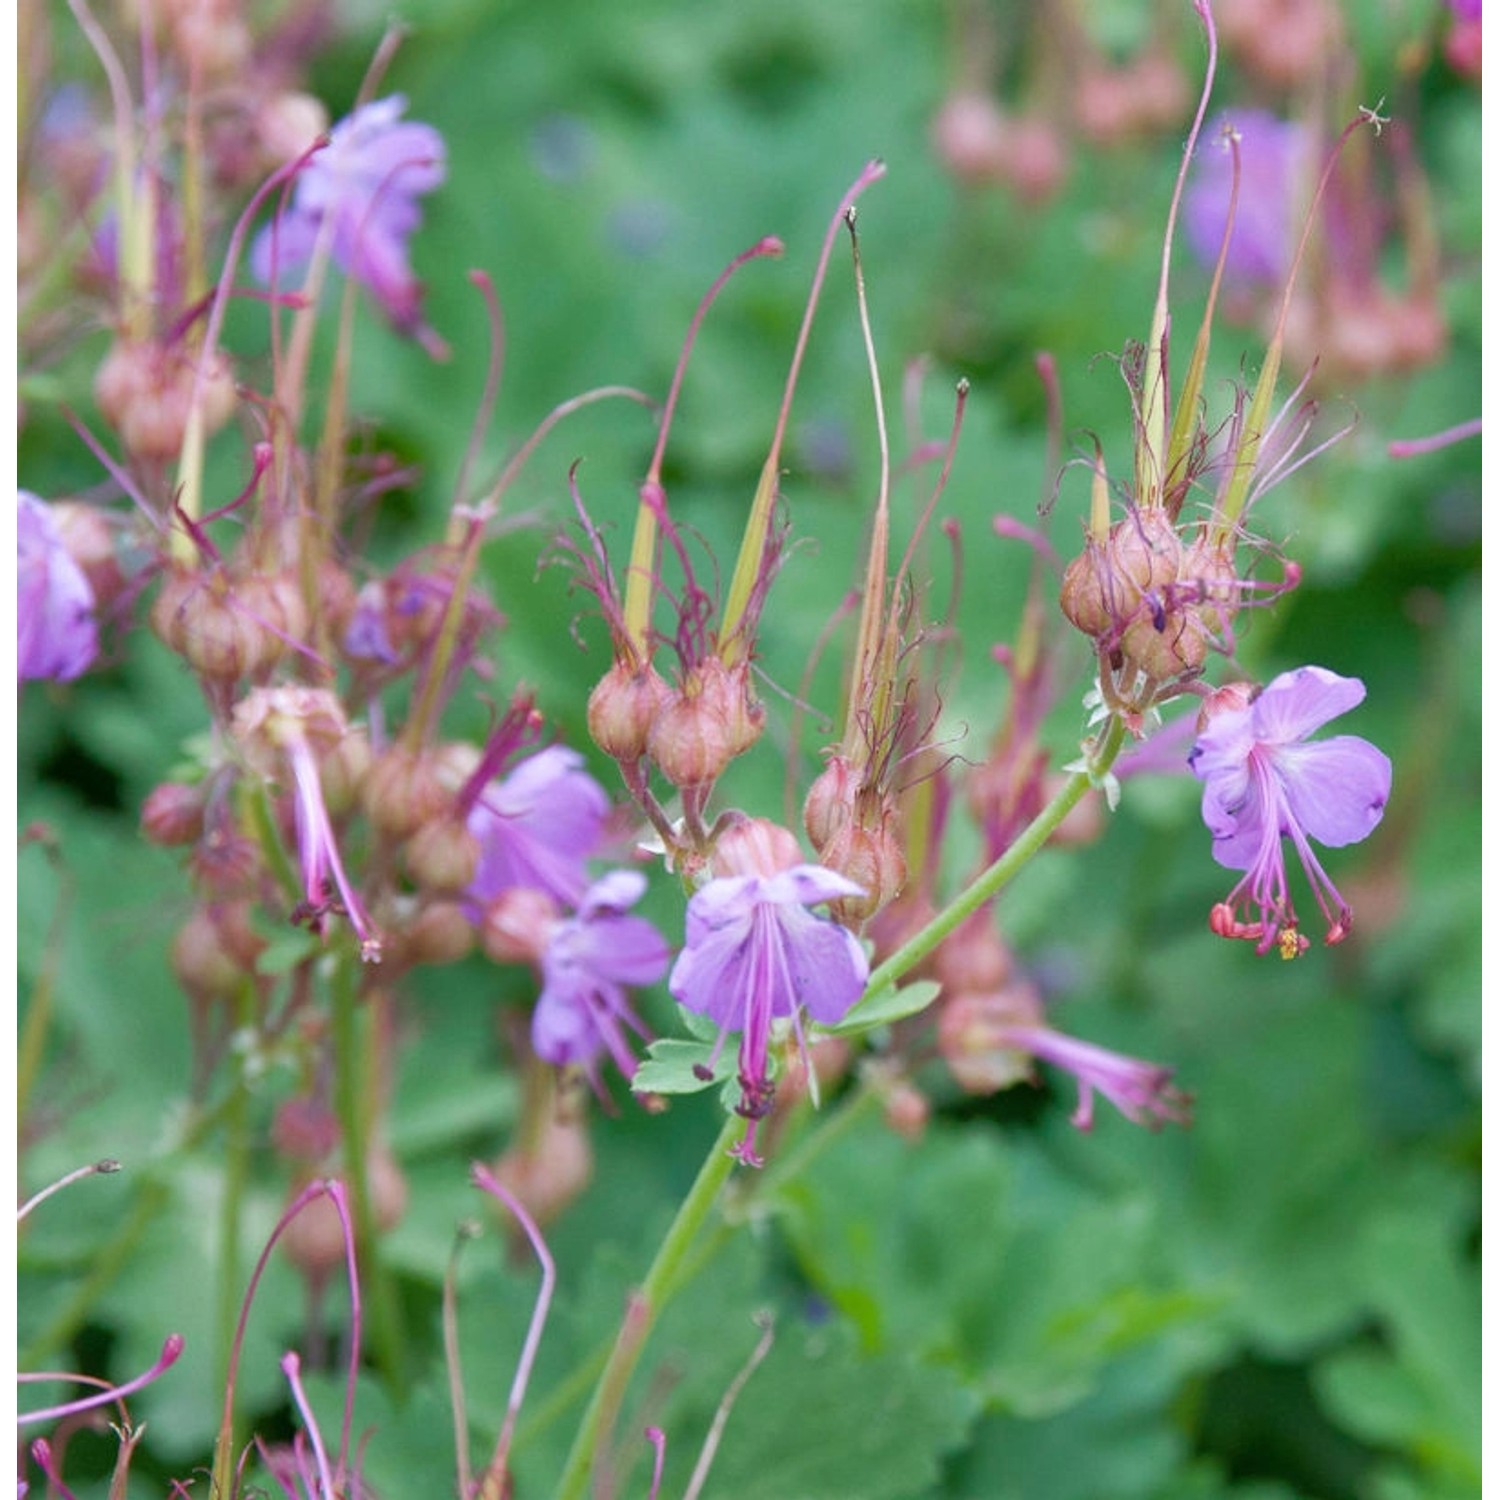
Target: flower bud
(874,860)
(442,855)
(441,933)
(972,1036)
(547,1176)
(622,708)
(342,771)
(173,814)
(517,924)
(1038,159)
(203,619)
(973,959)
(689,741)
(704,726)
(402,790)
(314,1238)
(829,805)
(91,544)
(287,125)
(907,1111)
(144,390)
(304,1130)
(755,846)
(216,950)
(971,136)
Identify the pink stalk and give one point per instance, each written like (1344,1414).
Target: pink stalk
(1412,447)
(41,1451)
(658,1440)
(171,1351)
(961,398)
(563,409)
(119,475)
(873,172)
(486,288)
(336,1191)
(771,246)
(291,1367)
(484,1179)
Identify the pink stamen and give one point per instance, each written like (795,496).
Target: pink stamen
(171,1351)
(486,1180)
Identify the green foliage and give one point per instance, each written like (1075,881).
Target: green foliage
(1003,1307)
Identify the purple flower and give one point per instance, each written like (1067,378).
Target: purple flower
(537,828)
(588,960)
(1264,781)
(56,635)
(990,1038)
(1272,154)
(754,954)
(1465,10)
(364,186)
(1141,1091)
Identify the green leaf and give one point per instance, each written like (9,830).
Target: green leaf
(885,1007)
(672,1067)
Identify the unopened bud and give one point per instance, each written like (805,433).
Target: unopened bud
(342,771)
(547,1176)
(874,860)
(90,541)
(755,846)
(517,924)
(288,124)
(441,933)
(829,805)
(623,707)
(216,950)
(1038,159)
(972,1036)
(973,959)
(173,814)
(907,1111)
(304,1130)
(144,390)
(689,741)
(402,790)
(442,855)
(971,136)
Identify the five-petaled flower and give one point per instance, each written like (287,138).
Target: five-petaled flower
(754,955)
(537,827)
(361,190)
(1263,781)
(589,959)
(54,600)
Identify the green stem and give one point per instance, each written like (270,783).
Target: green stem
(672,1269)
(1005,869)
(236,1174)
(355,1090)
(644,1307)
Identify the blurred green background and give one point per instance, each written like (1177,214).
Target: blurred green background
(1281,1301)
